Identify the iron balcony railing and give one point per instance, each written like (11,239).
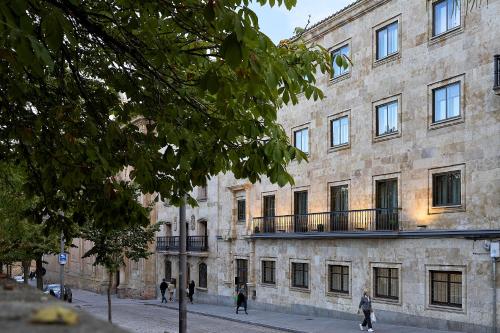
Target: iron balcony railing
(497,72)
(171,243)
(383,219)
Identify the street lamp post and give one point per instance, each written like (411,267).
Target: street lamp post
(182,268)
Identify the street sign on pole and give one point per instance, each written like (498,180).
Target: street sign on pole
(63,259)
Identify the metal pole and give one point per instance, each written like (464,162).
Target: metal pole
(182,268)
(494,261)
(61,270)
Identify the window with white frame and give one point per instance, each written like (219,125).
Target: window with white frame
(387,118)
(446,16)
(301,139)
(339,131)
(446,102)
(387,40)
(339,70)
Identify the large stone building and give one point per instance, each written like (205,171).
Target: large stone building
(401,194)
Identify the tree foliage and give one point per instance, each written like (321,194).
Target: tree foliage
(200,79)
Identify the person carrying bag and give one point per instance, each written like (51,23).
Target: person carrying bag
(366,306)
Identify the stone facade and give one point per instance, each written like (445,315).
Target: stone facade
(419,149)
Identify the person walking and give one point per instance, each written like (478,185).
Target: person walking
(163,289)
(171,290)
(191,291)
(241,300)
(366,306)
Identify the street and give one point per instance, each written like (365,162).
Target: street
(153,317)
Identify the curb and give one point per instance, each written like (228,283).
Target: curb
(284,329)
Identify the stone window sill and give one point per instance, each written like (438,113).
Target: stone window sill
(269,285)
(446,209)
(387,301)
(202,289)
(339,78)
(447,122)
(444,308)
(387,136)
(338,294)
(339,147)
(389,58)
(445,35)
(302,290)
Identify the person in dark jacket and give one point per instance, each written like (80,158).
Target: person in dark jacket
(191,291)
(241,300)
(366,306)
(163,289)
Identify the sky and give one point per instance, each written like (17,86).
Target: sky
(279,23)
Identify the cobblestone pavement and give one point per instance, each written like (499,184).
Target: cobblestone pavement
(152,316)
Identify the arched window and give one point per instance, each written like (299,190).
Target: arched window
(202,279)
(168,270)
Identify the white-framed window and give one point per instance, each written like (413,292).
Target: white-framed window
(387,40)
(339,131)
(445,15)
(446,102)
(301,139)
(387,118)
(339,70)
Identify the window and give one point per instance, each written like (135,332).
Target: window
(300,218)
(338,277)
(446,189)
(241,210)
(387,40)
(339,206)
(242,270)
(446,14)
(269,206)
(387,283)
(300,275)
(168,270)
(301,139)
(202,193)
(268,272)
(339,70)
(387,118)
(446,288)
(340,131)
(446,103)
(202,275)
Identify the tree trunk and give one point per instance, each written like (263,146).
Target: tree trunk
(39,277)
(26,271)
(110,282)
(1,267)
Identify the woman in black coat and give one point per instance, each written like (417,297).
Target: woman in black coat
(241,300)
(191,291)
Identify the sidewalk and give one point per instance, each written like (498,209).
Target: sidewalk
(286,322)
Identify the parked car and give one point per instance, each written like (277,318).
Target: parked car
(56,288)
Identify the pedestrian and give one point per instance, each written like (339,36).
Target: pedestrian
(171,290)
(163,289)
(191,291)
(366,306)
(241,300)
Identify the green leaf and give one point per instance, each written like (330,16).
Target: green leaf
(231,50)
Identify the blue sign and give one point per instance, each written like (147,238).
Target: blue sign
(62,258)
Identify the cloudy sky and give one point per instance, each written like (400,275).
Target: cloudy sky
(279,23)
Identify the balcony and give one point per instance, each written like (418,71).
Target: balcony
(496,86)
(172,243)
(366,220)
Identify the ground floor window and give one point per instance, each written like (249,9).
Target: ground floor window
(300,275)
(268,271)
(338,279)
(202,275)
(386,283)
(446,288)
(242,270)
(168,270)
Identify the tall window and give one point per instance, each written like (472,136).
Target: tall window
(242,270)
(387,40)
(339,70)
(269,206)
(300,275)
(446,102)
(202,275)
(446,288)
(446,188)
(387,118)
(301,139)
(268,272)
(340,131)
(241,210)
(168,270)
(446,15)
(387,283)
(339,204)
(202,193)
(338,277)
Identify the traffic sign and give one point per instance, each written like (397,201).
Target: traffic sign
(62,258)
